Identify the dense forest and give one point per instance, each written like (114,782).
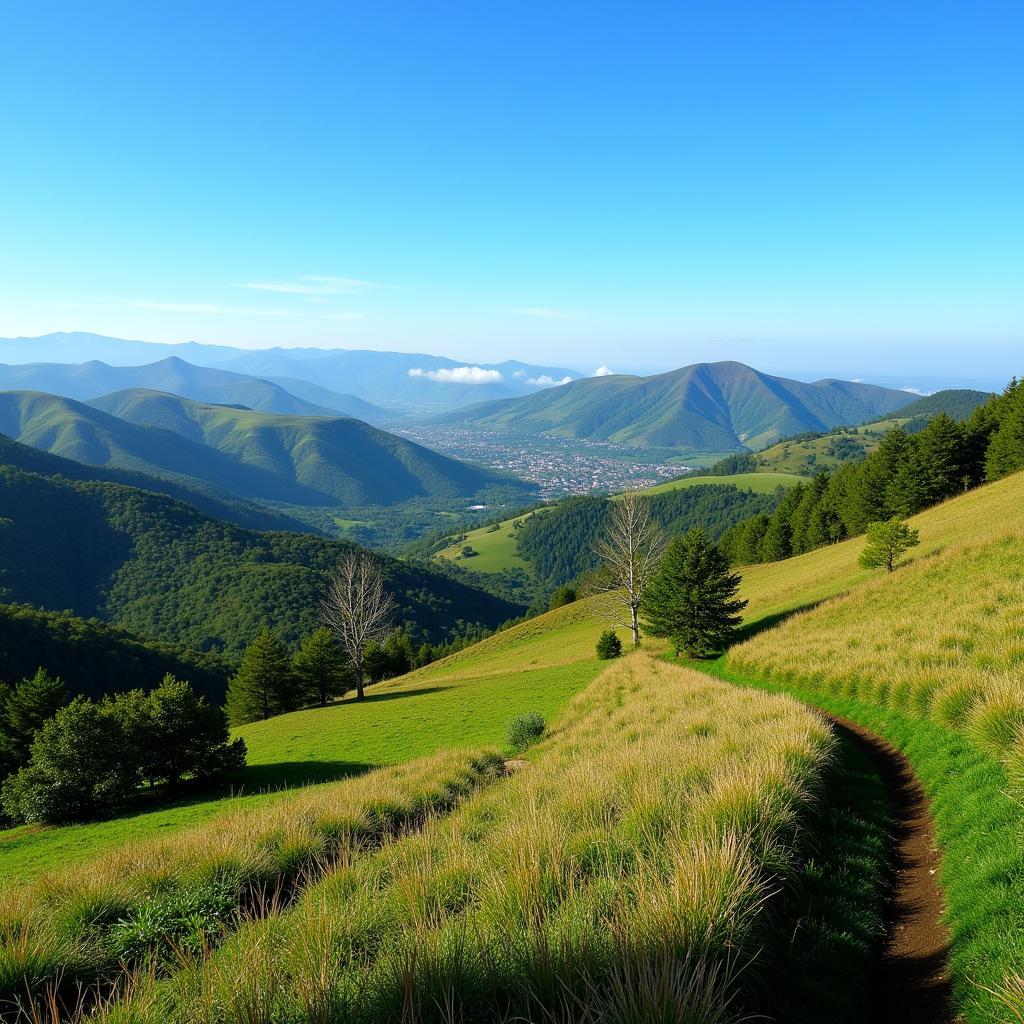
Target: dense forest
(560,542)
(908,472)
(162,570)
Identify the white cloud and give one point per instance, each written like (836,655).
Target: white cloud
(916,391)
(548,314)
(519,374)
(313,285)
(604,371)
(459,375)
(544,381)
(205,307)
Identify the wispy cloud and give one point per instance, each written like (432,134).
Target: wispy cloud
(545,381)
(314,285)
(548,314)
(459,375)
(215,309)
(604,371)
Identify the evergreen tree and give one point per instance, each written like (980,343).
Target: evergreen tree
(609,645)
(887,542)
(692,598)
(321,670)
(1005,453)
(31,703)
(263,685)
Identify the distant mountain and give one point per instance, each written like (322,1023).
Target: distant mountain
(93,379)
(295,459)
(397,380)
(707,407)
(161,569)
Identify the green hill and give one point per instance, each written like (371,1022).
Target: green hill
(93,379)
(707,407)
(206,498)
(299,460)
(164,571)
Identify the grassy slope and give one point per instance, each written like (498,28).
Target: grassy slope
(496,550)
(465,700)
(759,483)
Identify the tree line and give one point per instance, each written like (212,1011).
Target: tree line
(906,473)
(69,759)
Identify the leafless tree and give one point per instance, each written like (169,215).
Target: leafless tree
(629,553)
(357,609)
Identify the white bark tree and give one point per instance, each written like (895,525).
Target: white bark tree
(629,553)
(357,609)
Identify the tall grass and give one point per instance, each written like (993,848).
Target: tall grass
(630,870)
(182,894)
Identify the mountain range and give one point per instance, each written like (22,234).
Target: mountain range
(707,407)
(300,460)
(400,381)
(202,384)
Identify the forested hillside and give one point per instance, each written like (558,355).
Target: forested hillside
(903,475)
(559,542)
(95,658)
(163,570)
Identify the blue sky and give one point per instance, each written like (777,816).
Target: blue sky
(810,187)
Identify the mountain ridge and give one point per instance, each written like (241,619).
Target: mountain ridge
(723,406)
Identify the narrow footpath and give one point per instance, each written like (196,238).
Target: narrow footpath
(913,984)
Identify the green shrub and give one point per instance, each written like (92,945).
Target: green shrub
(609,645)
(525,730)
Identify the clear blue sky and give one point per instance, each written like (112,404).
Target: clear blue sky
(826,187)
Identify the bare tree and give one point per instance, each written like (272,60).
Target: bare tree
(357,609)
(629,553)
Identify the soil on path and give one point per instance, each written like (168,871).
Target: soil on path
(913,985)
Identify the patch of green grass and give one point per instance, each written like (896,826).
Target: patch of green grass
(759,483)
(496,549)
(467,699)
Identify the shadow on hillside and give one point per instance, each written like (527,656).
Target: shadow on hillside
(257,778)
(749,629)
(394,694)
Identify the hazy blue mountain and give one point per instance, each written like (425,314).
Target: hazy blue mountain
(711,407)
(300,460)
(93,379)
(398,380)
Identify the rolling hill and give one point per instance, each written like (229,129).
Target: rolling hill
(299,460)
(94,379)
(164,571)
(709,407)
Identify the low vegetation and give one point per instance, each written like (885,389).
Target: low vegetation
(635,866)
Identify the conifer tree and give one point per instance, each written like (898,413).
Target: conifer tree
(887,542)
(692,598)
(1006,448)
(27,707)
(264,684)
(321,670)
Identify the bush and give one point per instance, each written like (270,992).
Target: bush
(563,596)
(609,645)
(525,730)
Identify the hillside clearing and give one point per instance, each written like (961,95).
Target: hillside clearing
(495,549)
(759,483)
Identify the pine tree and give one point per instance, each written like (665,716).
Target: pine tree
(692,598)
(321,670)
(1005,453)
(264,684)
(31,703)
(887,542)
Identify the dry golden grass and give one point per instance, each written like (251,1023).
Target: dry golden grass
(621,873)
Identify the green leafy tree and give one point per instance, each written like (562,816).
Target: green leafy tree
(692,598)
(30,704)
(263,685)
(609,645)
(887,542)
(77,770)
(320,668)
(180,735)
(564,595)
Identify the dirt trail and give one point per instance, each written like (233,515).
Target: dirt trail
(913,985)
